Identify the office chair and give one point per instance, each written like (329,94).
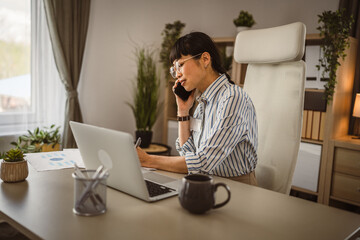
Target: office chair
(274,80)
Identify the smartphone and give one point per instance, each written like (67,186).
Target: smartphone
(181,92)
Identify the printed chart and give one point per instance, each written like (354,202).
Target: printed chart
(45,161)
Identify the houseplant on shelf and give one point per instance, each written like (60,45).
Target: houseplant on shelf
(170,34)
(244,21)
(335,30)
(40,140)
(145,104)
(14,167)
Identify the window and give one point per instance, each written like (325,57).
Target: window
(15,35)
(31,93)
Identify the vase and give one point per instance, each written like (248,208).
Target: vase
(50,148)
(145,136)
(241,28)
(14,171)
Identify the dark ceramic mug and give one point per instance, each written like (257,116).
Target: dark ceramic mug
(197,193)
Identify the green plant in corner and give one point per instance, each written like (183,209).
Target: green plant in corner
(335,30)
(244,19)
(145,104)
(170,34)
(34,141)
(226,60)
(14,155)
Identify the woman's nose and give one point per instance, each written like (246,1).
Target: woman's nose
(178,74)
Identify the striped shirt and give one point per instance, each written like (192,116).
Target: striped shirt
(226,143)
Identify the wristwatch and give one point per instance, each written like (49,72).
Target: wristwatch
(184,118)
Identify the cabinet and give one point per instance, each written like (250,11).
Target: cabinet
(342,181)
(337,122)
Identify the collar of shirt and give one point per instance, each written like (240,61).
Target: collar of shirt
(211,91)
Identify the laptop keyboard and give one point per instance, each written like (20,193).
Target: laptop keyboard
(156,189)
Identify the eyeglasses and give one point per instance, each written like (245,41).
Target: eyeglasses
(178,66)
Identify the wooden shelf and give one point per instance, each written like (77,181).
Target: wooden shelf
(313,39)
(314,90)
(299,189)
(311,141)
(348,142)
(344,200)
(224,40)
(172,119)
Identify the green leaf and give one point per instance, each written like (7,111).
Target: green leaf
(146,90)
(170,34)
(334,28)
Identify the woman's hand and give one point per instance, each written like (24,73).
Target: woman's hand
(183,106)
(143,157)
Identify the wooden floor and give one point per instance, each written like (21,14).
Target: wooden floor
(7,232)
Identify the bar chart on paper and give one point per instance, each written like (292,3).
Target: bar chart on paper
(45,161)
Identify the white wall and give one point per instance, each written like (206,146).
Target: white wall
(116,26)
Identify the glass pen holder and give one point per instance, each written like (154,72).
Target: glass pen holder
(89,194)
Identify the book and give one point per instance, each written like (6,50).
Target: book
(315,130)
(309,124)
(304,122)
(322,126)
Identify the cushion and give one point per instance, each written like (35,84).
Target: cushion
(271,45)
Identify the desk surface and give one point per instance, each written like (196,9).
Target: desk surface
(41,207)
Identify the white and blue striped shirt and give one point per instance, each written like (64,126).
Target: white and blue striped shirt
(226,143)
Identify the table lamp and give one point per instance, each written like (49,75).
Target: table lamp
(356,112)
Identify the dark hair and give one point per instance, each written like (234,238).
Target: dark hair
(196,43)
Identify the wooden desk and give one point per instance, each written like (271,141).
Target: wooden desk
(41,207)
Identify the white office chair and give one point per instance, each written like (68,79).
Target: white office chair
(274,80)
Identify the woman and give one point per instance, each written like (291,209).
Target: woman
(221,139)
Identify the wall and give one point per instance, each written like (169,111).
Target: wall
(117,26)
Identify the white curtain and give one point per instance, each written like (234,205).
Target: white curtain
(49,92)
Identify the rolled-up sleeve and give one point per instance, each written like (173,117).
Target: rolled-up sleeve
(188,146)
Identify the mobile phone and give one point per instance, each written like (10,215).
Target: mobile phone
(181,92)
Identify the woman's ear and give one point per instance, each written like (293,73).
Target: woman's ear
(206,59)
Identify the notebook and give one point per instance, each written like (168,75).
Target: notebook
(115,150)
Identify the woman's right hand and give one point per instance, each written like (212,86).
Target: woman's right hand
(184,106)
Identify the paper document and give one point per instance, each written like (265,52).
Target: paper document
(44,161)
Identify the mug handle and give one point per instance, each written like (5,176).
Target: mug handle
(228,191)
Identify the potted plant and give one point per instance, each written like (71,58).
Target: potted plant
(14,167)
(335,30)
(244,21)
(170,34)
(146,94)
(40,140)
(226,60)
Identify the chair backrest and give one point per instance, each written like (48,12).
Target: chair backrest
(274,80)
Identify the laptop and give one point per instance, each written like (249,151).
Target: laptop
(116,151)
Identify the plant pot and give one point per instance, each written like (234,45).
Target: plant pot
(14,171)
(145,136)
(241,28)
(50,148)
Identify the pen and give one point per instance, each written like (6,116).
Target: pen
(138,142)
